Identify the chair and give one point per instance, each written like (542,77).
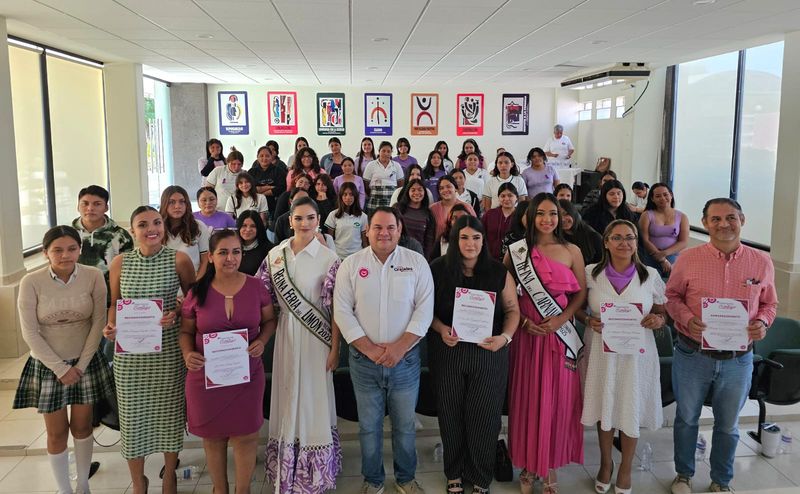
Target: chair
(776,369)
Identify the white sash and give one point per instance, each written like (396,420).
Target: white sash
(306,313)
(545,304)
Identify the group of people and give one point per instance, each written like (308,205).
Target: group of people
(217,270)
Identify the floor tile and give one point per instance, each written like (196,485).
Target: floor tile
(20,433)
(113,473)
(8,464)
(752,472)
(32,474)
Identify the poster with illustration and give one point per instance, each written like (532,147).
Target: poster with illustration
(378,114)
(233,113)
(282,111)
(469,117)
(514,119)
(330,114)
(424,114)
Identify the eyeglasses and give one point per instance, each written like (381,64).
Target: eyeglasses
(619,238)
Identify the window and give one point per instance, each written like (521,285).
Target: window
(585,110)
(620,105)
(604,109)
(704,158)
(158,135)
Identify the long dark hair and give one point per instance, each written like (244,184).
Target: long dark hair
(581,233)
(342,208)
(238,197)
(449,226)
(60,231)
(297,166)
(446,155)
(141,209)
(428,171)
(536,150)
(530,217)
(208,148)
(463,154)
(454,260)
(514,168)
(517,227)
(186,226)
(641,270)
(652,205)
(623,211)
(404,201)
(201,286)
(360,156)
(261,231)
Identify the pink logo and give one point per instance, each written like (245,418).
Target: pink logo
(641,350)
(363,272)
(245,378)
(157,348)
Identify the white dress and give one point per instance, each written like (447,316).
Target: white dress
(621,391)
(303,452)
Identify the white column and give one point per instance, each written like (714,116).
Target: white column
(12,268)
(786,211)
(127,161)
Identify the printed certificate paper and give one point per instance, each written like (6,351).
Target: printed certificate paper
(622,328)
(139,326)
(726,324)
(473,314)
(227,360)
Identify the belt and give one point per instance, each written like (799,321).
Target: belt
(715,354)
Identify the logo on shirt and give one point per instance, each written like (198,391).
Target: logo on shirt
(357,224)
(402,269)
(363,272)
(278,261)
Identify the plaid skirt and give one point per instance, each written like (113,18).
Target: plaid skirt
(380,195)
(40,388)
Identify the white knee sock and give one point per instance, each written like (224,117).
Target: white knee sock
(83,460)
(59,463)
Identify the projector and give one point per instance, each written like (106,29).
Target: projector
(619,73)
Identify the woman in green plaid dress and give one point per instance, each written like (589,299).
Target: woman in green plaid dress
(150,386)
(62,311)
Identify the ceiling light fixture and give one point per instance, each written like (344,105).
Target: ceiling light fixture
(380,40)
(599,42)
(372,68)
(704,2)
(624,72)
(205,36)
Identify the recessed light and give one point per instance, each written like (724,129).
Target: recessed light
(205,36)
(268,78)
(704,2)
(372,68)
(380,40)
(599,42)
(369,80)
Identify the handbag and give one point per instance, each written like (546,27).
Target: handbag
(503,470)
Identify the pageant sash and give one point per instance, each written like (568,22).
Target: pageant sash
(545,304)
(306,313)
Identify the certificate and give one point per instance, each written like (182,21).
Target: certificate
(622,328)
(726,322)
(227,360)
(473,314)
(139,326)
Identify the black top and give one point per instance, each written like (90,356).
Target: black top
(273,175)
(325,208)
(588,241)
(281,206)
(251,259)
(493,278)
(282,230)
(598,217)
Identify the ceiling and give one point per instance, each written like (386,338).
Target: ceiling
(395,42)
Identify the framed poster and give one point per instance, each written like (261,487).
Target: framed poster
(378,114)
(469,119)
(282,111)
(515,115)
(330,114)
(424,114)
(233,110)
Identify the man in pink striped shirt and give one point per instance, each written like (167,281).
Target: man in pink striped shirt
(722,268)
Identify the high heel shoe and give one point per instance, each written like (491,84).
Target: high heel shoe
(620,490)
(601,487)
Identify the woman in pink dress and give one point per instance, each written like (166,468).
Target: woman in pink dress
(545,430)
(223,300)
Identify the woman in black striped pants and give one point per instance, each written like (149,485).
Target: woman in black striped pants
(470,378)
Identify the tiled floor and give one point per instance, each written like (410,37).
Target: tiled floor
(24,467)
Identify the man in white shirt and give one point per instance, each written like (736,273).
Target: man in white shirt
(559,148)
(383,305)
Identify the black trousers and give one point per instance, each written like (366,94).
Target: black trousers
(471,387)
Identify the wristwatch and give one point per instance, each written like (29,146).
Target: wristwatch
(508,338)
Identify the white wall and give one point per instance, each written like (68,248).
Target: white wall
(547,107)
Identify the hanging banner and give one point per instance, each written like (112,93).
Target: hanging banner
(378,114)
(515,115)
(424,114)
(282,111)
(233,113)
(330,114)
(469,119)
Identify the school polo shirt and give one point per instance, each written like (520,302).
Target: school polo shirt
(378,175)
(383,300)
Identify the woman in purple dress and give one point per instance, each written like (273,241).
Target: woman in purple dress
(223,300)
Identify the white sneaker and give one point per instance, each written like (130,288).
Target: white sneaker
(681,485)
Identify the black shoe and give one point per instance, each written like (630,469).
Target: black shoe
(93,468)
(163,469)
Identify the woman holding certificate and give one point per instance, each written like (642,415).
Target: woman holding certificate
(303,452)
(470,363)
(227,321)
(150,380)
(621,380)
(545,430)
(62,311)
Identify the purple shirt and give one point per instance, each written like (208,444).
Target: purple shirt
(217,221)
(432,183)
(539,180)
(664,236)
(406,162)
(338,181)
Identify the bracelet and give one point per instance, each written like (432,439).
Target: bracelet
(508,339)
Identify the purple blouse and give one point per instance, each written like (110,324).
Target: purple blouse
(663,236)
(405,163)
(362,194)
(538,181)
(217,221)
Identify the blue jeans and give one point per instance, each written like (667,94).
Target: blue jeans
(377,387)
(693,375)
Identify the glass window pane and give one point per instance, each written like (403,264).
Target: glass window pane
(26,98)
(620,111)
(77,122)
(585,115)
(620,100)
(759,138)
(603,113)
(704,132)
